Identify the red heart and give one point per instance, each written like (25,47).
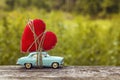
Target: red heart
(28,37)
(49,41)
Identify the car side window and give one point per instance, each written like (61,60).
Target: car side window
(44,55)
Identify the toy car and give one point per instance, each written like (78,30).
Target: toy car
(48,61)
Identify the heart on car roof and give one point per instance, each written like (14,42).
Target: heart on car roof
(33,32)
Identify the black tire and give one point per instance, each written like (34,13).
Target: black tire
(28,65)
(55,65)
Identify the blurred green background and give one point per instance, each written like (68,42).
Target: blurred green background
(88,31)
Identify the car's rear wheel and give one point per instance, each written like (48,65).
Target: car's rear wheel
(55,65)
(28,65)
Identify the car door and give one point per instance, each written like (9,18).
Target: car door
(33,59)
(46,61)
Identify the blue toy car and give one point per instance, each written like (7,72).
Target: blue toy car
(48,61)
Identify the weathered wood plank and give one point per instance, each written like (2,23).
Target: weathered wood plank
(65,73)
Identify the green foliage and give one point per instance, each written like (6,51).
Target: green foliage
(99,8)
(81,41)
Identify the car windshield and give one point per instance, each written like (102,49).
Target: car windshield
(34,55)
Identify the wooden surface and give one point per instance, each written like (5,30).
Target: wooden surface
(65,73)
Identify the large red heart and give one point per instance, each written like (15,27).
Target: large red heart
(28,37)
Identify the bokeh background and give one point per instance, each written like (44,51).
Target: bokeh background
(88,31)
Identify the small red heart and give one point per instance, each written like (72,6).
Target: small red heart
(49,41)
(28,36)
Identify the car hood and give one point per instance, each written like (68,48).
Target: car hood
(22,58)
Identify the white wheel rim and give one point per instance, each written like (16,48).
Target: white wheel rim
(55,65)
(28,65)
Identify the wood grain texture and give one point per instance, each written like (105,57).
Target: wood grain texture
(65,73)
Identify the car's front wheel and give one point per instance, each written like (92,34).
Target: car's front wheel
(28,65)
(55,65)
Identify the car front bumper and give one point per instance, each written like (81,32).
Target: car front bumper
(62,64)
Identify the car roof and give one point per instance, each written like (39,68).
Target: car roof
(37,52)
